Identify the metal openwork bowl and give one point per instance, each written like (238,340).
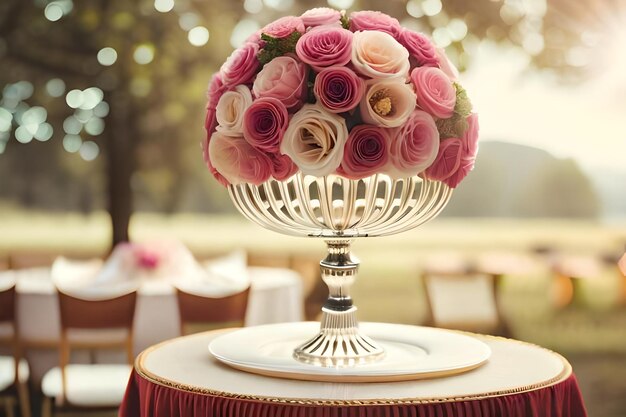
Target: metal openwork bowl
(338,210)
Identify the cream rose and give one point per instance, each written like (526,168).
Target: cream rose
(378,55)
(315,140)
(230,110)
(387,103)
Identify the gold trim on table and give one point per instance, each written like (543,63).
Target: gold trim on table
(155,379)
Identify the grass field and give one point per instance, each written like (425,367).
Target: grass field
(591,334)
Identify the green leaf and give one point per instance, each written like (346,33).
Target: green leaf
(463,106)
(275,47)
(453,127)
(345,22)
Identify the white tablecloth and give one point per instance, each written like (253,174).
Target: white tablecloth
(275,296)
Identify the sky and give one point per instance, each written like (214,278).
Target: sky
(586,122)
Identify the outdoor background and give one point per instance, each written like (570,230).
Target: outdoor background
(102,112)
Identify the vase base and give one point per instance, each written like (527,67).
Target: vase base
(339,342)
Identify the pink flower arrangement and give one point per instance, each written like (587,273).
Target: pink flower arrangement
(329,93)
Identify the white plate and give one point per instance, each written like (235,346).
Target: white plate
(411,352)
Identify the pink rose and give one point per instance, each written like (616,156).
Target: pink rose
(283,78)
(215,90)
(256,38)
(284,27)
(338,89)
(470,137)
(420,48)
(456,157)
(366,152)
(325,46)
(370,20)
(241,65)
(320,16)
(378,55)
(283,167)
(210,121)
(447,163)
(207,160)
(435,92)
(264,124)
(446,66)
(414,147)
(237,161)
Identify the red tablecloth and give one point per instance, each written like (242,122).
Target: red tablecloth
(148,399)
(180,378)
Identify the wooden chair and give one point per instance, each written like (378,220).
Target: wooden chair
(202,313)
(91,325)
(25,260)
(464,300)
(314,288)
(14,370)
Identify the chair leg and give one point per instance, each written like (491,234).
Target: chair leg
(46,407)
(24,400)
(10,407)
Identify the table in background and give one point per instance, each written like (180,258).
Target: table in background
(179,377)
(275,297)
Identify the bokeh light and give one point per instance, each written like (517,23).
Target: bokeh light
(23,135)
(198,36)
(414,8)
(432,7)
(44,132)
(188,20)
(144,54)
(107,56)
(53,12)
(341,4)
(242,30)
(94,126)
(89,150)
(72,126)
(101,110)
(72,143)
(280,5)
(55,87)
(253,6)
(74,98)
(163,6)
(6,117)
(92,96)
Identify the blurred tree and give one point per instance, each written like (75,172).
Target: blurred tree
(128,78)
(558,189)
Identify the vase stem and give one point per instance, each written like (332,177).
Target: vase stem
(339,342)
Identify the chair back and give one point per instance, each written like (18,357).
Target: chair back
(211,312)
(111,314)
(7,305)
(463,300)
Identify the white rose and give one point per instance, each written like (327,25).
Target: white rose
(230,110)
(387,103)
(315,140)
(378,55)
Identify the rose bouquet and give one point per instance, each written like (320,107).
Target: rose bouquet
(329,93)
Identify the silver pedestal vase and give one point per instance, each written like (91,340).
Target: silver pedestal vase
(339,210)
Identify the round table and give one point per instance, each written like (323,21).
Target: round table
(180,378)
(275,297)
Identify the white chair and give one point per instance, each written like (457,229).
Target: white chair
(92,325)
(14,371)
(463,300)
